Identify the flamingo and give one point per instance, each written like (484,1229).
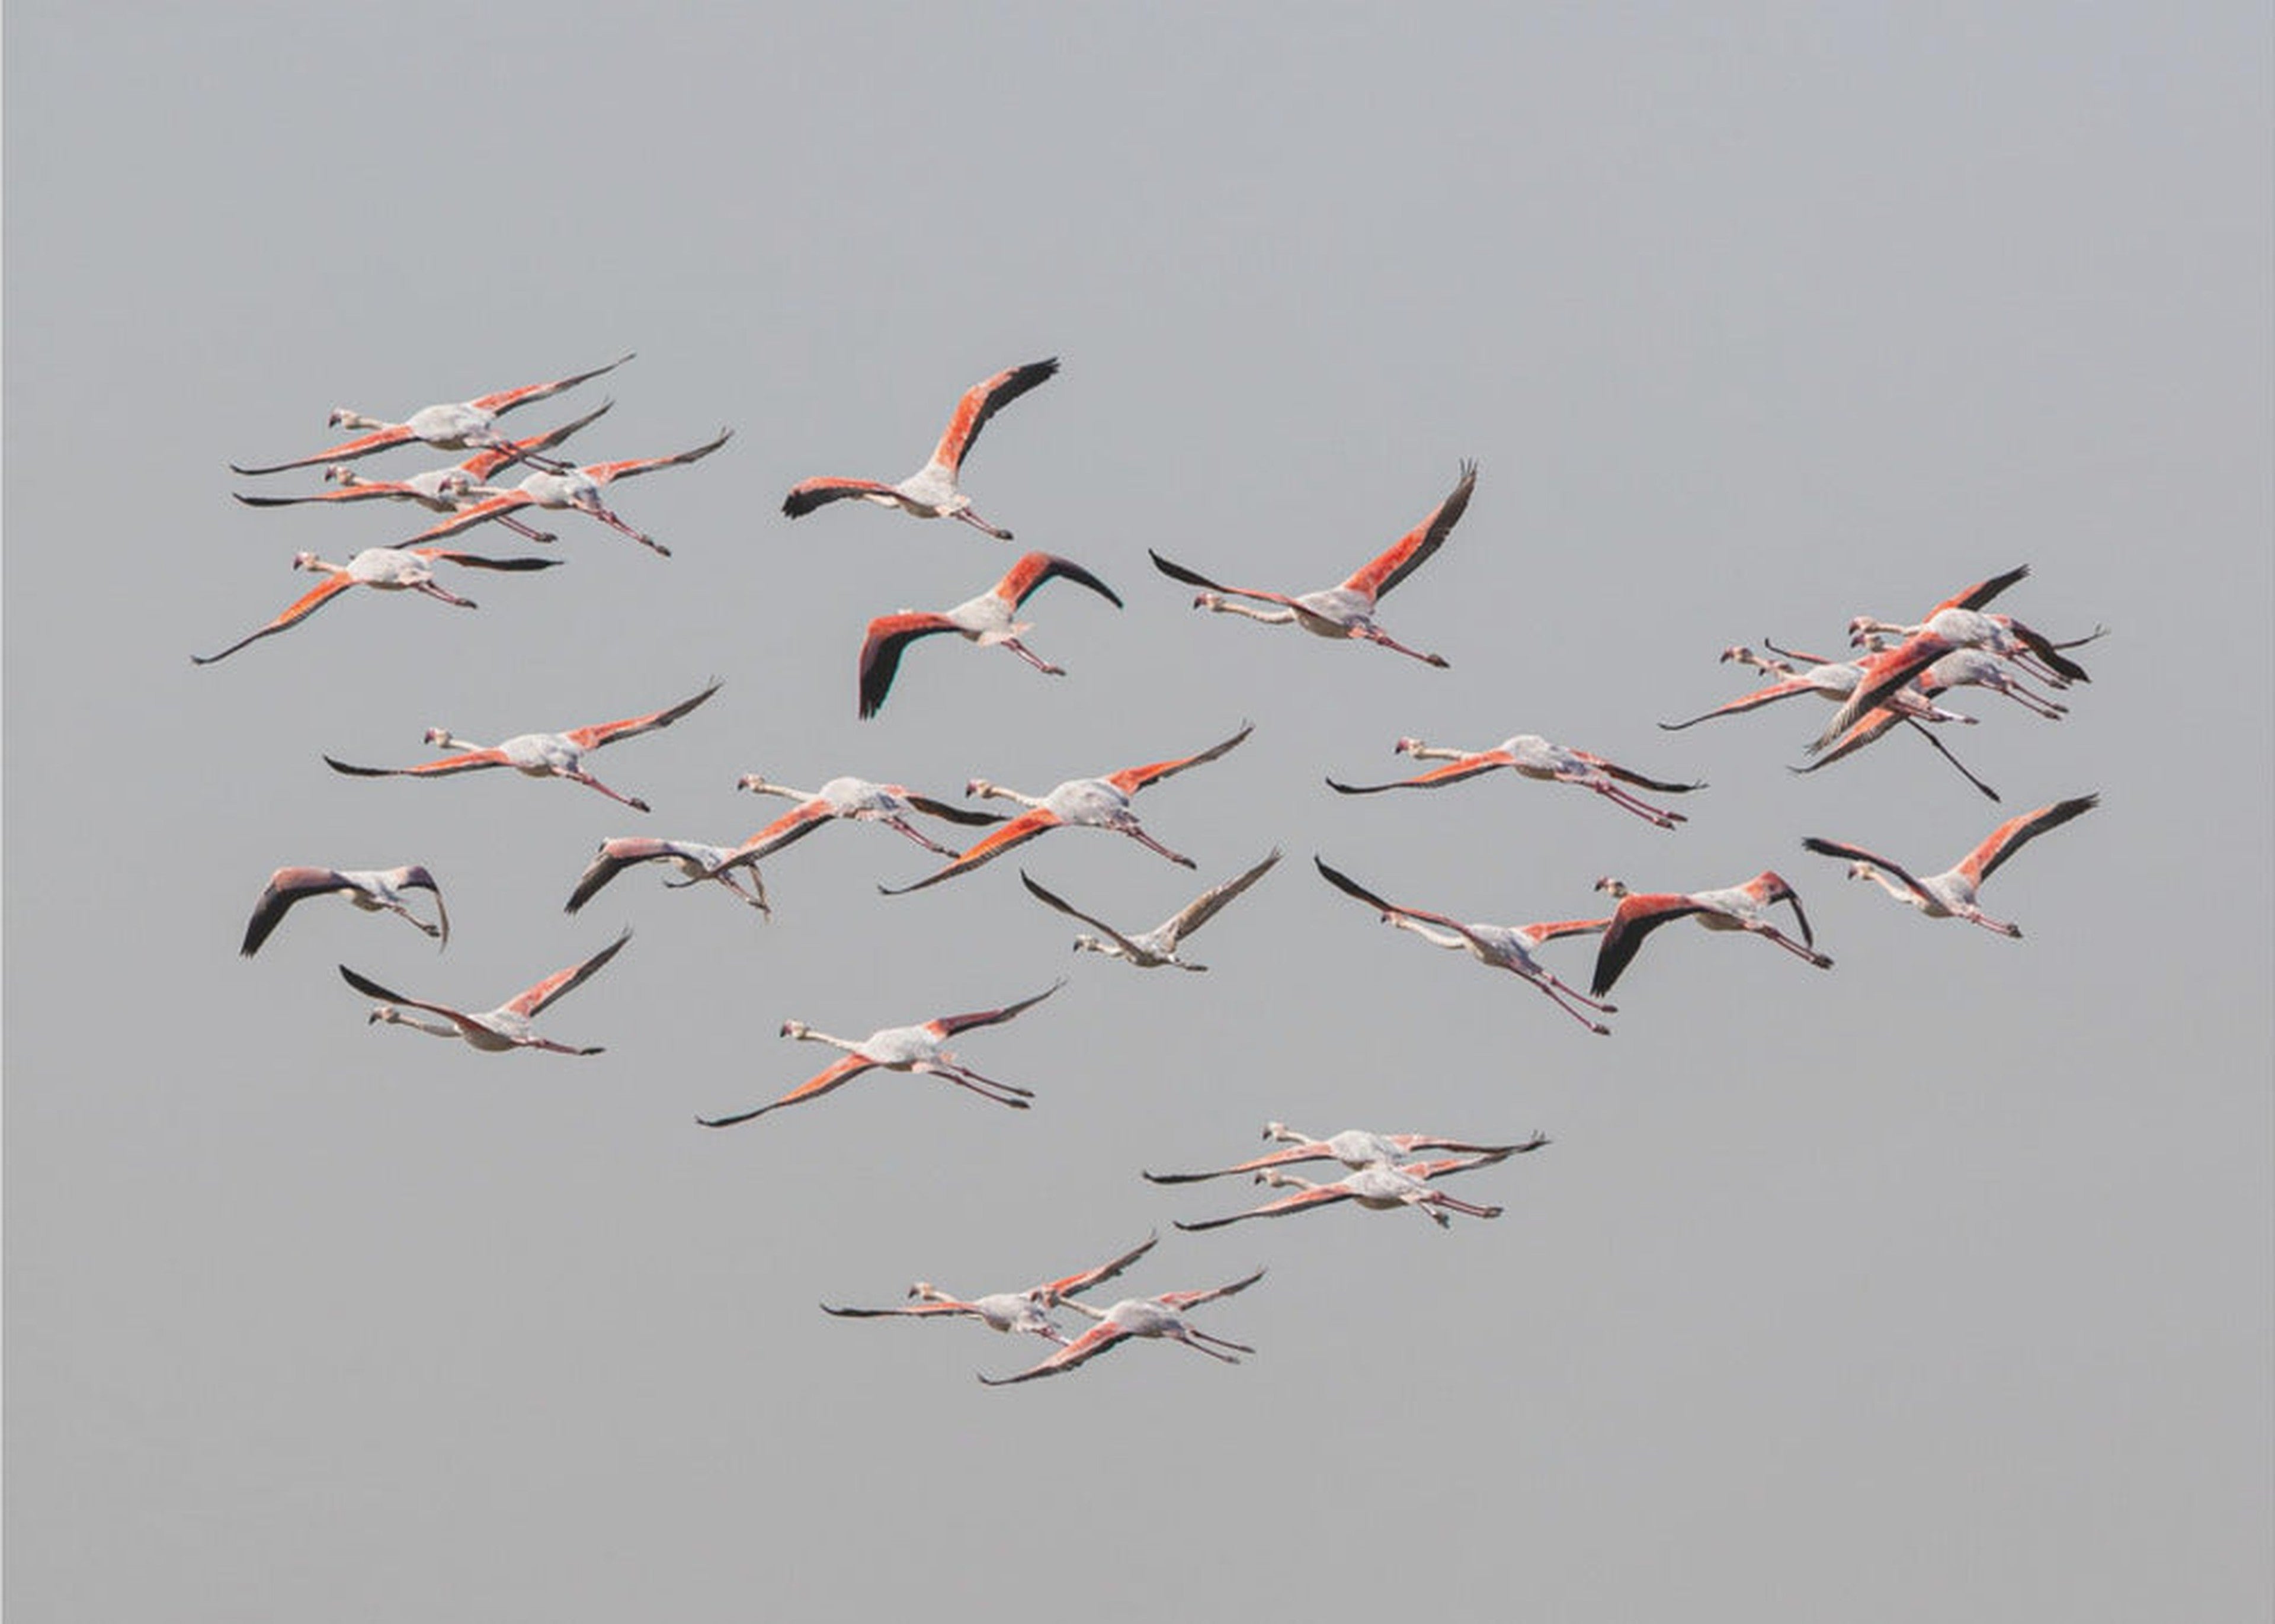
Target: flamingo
(1161,1316)
(460,426)
(496,1030)
(986,620)
(439,490)
(1354,1147)
(374,890)
(856,798)
(930,492)
(537,755)
(1347,610)
(1153,949)
(919,1048)
(1951,894)
(1835,679)
(1973,668)
(1733,908)
(1508,947)
(576,489)
(1027,1310)
(1379,1187)
(388,569)
(1958,622)
(1097,803)
(1533,756)
(693,859)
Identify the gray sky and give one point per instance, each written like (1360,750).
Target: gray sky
(1934,1285)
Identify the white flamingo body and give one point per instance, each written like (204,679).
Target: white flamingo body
(572,489)
(1729,908)
(1160,1317)
(383,569)
(988,620)
(372,891)
(1156,949)
(856,799)
(931,491)
(695,861)
(1379,1187)
(1354,1147)
(1532,755)
(511,1025)
(1028,1310)
(1956,894)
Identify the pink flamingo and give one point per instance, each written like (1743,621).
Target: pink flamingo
(574,488)
(1346,611)
(1952,893)
(1156,948)
(1354,1147)
(1532,756)
(1094,803)
(988,620)
(693,859)
(1028,1310)
(495,1030)
(459,425)
(536,755)
(921,1048)
(385,569)
(1379,1187)
(930,492)
(1733,908)
(1161,1316)
(891,805)
(374,890)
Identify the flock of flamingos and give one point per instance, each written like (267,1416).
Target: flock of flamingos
(1896,680)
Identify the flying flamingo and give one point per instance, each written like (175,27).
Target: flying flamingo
(856,798)
(1153,949)
(1835,679)
(1508,947)
(1951,894)
(388,569)
(1733,908)
(374,890)
(1028,1310)
(1161,1317)
(461,426)
(921,1048)
(1354,1147)
(1097,803)
(439,490)
(693,859)
(1958,622)
(538,755)
(1974,667)
(496,1030)
(576,489)
(1348,611)
(986,620)
(1379,1187)
(930,491)
(1533,756)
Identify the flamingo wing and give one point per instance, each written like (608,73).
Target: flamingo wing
(556,987)
(1182,1300)
(609,732)
(614,856)
(915,1308)
(1553,929)
(307,604)
(880,652)
(362,445)
(965,815)
(1302,1201)
(808,494)
(1131,780)
(949,1026)
(1885,674)
(1411,550)
(1257,1164)
(1755,700)
(482,465)
(506,400)
(2010,836)
(1205,907)
(983,401)
(2046,649)
(1637,917)
(286,886)
(602,473)
(1020,582)
(1088,1346)
(1976,596)
(1452,773)
(467,518)
(1858,854)
(473,760)
(831,1076)
(1627,777)
(364,491)
(371,989)
(476,561)
(1016,833)
(794,825)
(1351,887)
(1074,1284)
(1052,900)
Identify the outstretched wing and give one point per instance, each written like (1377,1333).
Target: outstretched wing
(1976,596)
(371,989)
(1074,1284)
(1088,1346)
(831,1076)
(304,605)
(506,400)
(930,808)
(1452,773)
(1627,777)
(1016,833)
(2010,836)
(949,1026)
(1204,907)
(473,760)
(1755,700)
(483,464)
(602,473)
(1183,1300)
(1411,550)
(286,887)
(1032,570)
(983,401)
(1858,854)
(911,1309)
(362,445)
(1302,1201)
(1052,900)
(559,985)
(609,732)
(808,494)
(467,518)
(1131,780)
(880,652)
(1637,918)
(476,561)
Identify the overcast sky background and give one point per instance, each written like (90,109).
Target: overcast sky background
(1934,1285)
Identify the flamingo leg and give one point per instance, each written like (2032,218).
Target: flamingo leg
(1376,634)
(1626,802)
(435,590)
(1031,658)
(1771,932)
(1014,1097)
(1198,1341)
(1151,845)
(550,1047)
(892,820)
(1593,1025)
(980,524)
(1954,760)
(527,532)
(1996,927)
(1456,1203)
(576,775)
(616,524)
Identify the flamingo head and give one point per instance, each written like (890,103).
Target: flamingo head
(1208,601)
(456,482)
(1087,943)
(924,1290)
(1737,650)
(1274,1177)
(751,782)
(794,1029)
(1276,1130)
(1861,871)
(306,561)
(1406,747)
(344,417)
(340,473)
(382,1015)
(440,737)
(979,786)
(1613,888)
